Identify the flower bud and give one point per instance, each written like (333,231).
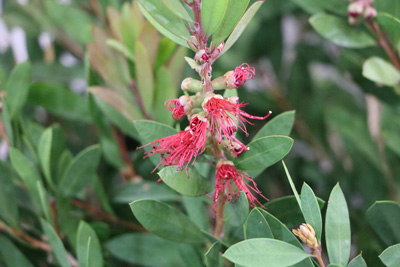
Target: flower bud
(307,234)
(191,85)
(193,43)
(219,83)
(217,51)
(355,9)
(370,12)
(202,57)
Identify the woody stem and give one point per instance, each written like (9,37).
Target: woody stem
(219,224)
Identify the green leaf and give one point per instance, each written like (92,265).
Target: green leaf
(144,76)
(162,15)
(389,6)
(213,258)
(28,172)
(195,207)
(234,12)
(44,150)
(59,101)
(177,7)
(338,31)
(358,262)
(390,25)
(5,119)
(167,222)
(17,88)
(256,226)
(296,194)
(80,171)
(380,71)
(236,211)
(337,228)
(191,184)
(311,210)
(88,247)
(164,90)
(241,26)
(212,14)
(263,153)
(391,256)
(56,244)
(146,249)
(265,252)
(131,192)
(8,195)
(118,46)
(11,255)
(280,125)
(384,216)
(44,201)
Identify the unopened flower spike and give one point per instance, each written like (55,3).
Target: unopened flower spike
(182,148)
(179,107)
(227,176)
(307,234)
(238,77)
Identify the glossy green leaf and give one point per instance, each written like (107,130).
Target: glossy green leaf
(265,252)
(11,255)
(88,247)
(213,258)
(191,184)
(160,13)
(357,262)
(256,226)
(390,25)
(144,76)
(145,249)
(234,12)
(281,232)
(59,101)
(296,194)
(177,7)
(236,211)
(44,150)
(384,216)
(56,244)
(167,222)
(80,171)
(28,172)
(131,192)
(337,228)
(212,14)
(311,210)
(381,71)
(17,88)
(280,125)
(241,26)
(264,152)
(338,31)
(391,256)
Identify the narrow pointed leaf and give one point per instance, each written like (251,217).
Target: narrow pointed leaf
(11,255)
(296,194)
(144,76)
(234,12)
(44,150)
(338,31)
(17,88)
(357,262)
(80,171)
(212,14)
(44,201)
(391,256)
(167,222)
(88,247)
(191,184)
(265,252)
(280,125)
(263,153)
(56,244)
(337,228)
(213,258)
(256,226)
(311,210)
(241,26)
(177,7)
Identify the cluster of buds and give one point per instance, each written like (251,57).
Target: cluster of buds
(307,234)
(213,122)
(361,9)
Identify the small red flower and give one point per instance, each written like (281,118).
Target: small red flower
(179,107)
(225,117)
(227,176)
(181,149)
(238,77)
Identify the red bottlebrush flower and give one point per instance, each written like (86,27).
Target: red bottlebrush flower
(179,107)
(225,117)
(238,77)
(181,149)
(227,176)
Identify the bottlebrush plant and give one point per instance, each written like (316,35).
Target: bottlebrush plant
(172,157)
